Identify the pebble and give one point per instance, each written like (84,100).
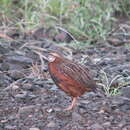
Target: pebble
(16,75)
(10,127)
(19,59)
(34,128)
(26,109)
(51,124)
(96,126)
(4,80)
(82,110)
(125,91)
(76,116)
(107,124)
(21,95)
(27,86)
(4,121)
(50,110)
(14,87)
(4,67)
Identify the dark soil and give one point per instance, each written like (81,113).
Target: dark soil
(30,101)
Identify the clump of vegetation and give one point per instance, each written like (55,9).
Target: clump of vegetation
(86,20)
(112,85)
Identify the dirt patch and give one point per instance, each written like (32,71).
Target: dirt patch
(30,101)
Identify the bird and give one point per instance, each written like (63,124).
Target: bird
(71,77)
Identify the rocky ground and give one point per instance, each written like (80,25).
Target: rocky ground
(29,100)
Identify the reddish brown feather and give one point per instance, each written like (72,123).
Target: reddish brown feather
(72,78)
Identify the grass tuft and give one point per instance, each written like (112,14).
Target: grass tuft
(87,20)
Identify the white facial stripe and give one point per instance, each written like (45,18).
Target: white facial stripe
(51,58)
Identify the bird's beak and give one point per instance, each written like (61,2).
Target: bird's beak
(42,52)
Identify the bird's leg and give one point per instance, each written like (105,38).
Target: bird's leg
(72,104)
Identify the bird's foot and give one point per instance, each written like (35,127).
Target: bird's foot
(70,107)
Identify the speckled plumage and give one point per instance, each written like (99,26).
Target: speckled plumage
(73,78)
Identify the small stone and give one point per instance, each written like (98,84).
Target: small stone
(82,111)
(118,101)
(21,95)
(30,116)
(57,109)
(97,126)
(16,74)
(64,115)
(107,124)
(124,129)
(84,102)
(4,121)
(14,87)
(76,116)
(27,86)
(26,109)
(54,88)
(51,124)
(50,110)
(34,128)
(125,91)
(9,127)
(121,124)
(4,80)
(16,58)
(95,60)
(4,67)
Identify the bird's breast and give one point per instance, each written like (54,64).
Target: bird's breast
(64,82)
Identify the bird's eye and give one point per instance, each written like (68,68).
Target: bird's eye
(51,58)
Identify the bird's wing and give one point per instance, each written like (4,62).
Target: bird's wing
(78,73)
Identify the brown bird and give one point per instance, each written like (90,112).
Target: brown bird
(71,77)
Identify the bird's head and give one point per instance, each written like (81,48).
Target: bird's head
(52,56)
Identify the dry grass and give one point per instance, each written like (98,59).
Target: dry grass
(36,71)
(107,84)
